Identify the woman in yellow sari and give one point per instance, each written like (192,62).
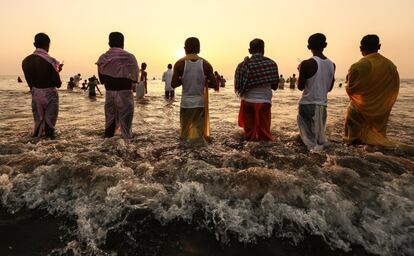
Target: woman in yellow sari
(373,85)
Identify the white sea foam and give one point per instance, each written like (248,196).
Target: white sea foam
(236,190)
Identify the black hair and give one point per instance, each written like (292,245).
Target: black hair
(370,43)
(116,39)
(257,46)
(169,66)
(41,40)
(143,65)
(317,41)
(192,45)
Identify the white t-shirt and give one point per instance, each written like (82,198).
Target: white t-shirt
(194,81)
(167,77)
(262,94)
(317,87)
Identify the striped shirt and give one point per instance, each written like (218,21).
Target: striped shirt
(255,71)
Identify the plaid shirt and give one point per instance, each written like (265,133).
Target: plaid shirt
(255,71)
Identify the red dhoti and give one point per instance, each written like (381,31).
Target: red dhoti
(255,118)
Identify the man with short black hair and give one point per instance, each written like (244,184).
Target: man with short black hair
(316,79)
(42,75)
(195,74)
(373,85)
(255,78)
(118,70)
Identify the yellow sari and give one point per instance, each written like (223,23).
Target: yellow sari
(373,85)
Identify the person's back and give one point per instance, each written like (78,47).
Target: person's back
(373,86)
(76,79)
(373,69)
(42,75)
(218,80)
(316,79)
(193,73)
(255,78)
(39,73)
(258,94)
(317,87)
(167,78)
(193,80)
(292,81)
(281,83)
(118,70)
(84,85)
(71,84)
(222,81)
(91,86)
(143,80)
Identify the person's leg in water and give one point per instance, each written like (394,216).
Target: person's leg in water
(110,130)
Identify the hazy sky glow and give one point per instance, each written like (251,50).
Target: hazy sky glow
(155,30)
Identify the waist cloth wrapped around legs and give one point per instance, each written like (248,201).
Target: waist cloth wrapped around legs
(255,119)
(193,125)
(119,112)
(312,125)
(45,108)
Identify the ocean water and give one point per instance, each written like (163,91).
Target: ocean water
(81,194)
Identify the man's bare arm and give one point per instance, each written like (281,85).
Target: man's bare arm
(307,69)
(302,76)
(208,72)
(177,74)
(333,79)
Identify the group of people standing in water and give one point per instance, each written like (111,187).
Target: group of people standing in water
(373,84)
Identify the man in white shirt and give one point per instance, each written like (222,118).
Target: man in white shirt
(194,74)
(316,79)
(167,77)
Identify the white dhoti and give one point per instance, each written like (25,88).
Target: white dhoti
(140,90)
(312,125)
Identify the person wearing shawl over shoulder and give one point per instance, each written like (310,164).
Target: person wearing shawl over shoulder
(118,70)
(254,80)
(194,74)
(42,75)
(316,79)
(373,85)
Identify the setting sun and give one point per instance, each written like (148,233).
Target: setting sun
(292,134)
(180,53)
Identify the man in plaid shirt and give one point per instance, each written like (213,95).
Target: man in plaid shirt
(254,80)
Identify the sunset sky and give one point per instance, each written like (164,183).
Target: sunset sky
(155,31)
